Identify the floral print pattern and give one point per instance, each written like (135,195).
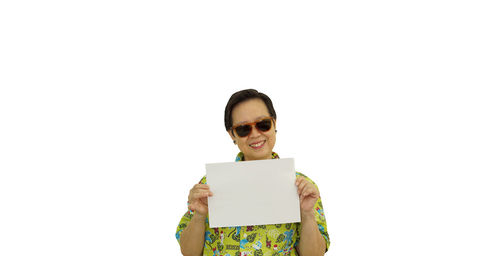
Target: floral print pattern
(260,240)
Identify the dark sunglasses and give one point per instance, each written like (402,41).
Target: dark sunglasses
(262,125)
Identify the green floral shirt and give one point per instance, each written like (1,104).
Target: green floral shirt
(261,240)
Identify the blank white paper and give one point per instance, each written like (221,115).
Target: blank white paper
(250,193)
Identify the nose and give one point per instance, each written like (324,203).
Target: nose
(255,132)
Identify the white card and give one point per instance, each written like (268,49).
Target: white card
(248,193)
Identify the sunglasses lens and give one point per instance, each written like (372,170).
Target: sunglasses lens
(243,130)
(246,129)
(264,125)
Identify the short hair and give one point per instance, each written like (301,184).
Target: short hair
(241,96)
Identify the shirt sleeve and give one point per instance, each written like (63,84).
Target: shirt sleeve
(182,225)
(320,216)
(186,218)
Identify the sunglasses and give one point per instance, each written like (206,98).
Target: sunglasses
(262,125)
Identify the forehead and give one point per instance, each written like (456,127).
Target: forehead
(249,111)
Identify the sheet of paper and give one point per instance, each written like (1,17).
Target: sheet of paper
(249,193)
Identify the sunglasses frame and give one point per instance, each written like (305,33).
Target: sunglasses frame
(252,125)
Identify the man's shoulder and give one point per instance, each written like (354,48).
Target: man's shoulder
(299,174)
(203,180)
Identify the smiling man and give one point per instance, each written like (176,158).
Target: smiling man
(250,120)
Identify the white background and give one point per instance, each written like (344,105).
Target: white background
(110,109)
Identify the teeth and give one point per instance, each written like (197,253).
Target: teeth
(257,145)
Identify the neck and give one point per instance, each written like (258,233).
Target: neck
(265,158)
(241,157)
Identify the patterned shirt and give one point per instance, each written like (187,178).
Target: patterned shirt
(260,240)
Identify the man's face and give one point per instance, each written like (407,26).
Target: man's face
(258,145)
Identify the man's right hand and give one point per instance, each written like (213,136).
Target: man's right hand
(197,199)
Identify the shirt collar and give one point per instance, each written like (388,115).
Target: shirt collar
(241,157)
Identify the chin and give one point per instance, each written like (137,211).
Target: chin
(260,155)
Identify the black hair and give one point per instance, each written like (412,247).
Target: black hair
(242,96)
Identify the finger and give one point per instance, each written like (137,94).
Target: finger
(302,186)
(306,192)
(302,190)
(311,189)
(197,190)
(299,191)
(300,180)
(201,191)
(200,194)
(200,187)
(207,193)
(297,180)
(299,183)
(311,192)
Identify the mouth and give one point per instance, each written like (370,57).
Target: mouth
(257,145)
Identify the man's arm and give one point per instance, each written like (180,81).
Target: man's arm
(193,236)
(311,241)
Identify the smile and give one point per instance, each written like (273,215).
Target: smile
(257,145)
